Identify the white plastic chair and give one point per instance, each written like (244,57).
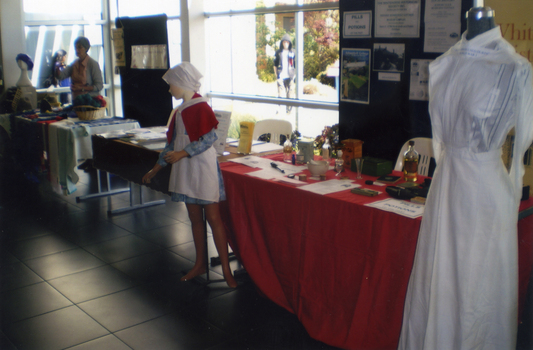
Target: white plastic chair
(424,147)
(274,127)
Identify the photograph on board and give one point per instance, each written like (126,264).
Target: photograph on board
(389,57)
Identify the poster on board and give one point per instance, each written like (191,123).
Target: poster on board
(355,75)
(149,57)
(442,20)
(418,85)
(397,19)
(357,24)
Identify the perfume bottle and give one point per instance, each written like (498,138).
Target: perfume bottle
(326,149)
(287,151)
(410,163)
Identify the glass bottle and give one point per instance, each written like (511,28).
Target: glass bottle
(410,163)
(339,163)
(326,149)
(287,151)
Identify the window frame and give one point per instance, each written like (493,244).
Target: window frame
(298,10)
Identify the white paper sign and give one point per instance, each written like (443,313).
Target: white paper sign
(224,121)
(418,86)
(397,19)
(330,186)
(149,57)
(442,25)
(411,210)
(357,24)
(439,10)
(389,76)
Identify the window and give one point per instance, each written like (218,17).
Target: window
(51,25)
(54,25)
(243,40)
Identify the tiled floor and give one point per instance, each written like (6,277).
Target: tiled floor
(74,278)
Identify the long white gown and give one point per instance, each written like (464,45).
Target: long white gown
(463,290)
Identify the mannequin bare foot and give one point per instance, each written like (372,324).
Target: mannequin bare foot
(196,271)
(230,280)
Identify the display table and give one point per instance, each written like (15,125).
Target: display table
(28,134)
(340,266)
(70,143)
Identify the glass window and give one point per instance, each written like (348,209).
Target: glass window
(244,49)
(58,10)
(236,5)
(242,52)
(137,8)
(308,121)
(42,42)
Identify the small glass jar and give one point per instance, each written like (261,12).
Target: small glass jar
(287,151)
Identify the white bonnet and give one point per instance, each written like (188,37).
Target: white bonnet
(185,76)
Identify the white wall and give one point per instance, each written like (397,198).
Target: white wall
(13,38)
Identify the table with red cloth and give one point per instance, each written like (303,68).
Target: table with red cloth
(340,266)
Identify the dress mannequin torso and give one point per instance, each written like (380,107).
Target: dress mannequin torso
(479,20)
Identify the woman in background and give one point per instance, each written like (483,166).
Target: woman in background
(85,73)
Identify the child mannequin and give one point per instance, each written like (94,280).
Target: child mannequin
(195,176)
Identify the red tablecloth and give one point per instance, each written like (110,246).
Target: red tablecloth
(340,266)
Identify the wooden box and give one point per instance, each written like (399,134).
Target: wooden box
(351,149)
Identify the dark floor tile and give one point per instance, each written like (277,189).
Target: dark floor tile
(187,251)
(175,294)
(238,312)
(6,258)
(155,265)
(30,301)
(39,246)
(141,220)
(23,228)
(124,309)
(97,232)
(65,263)
(174,210)
(55,330)
(169,236)
(5,343)
(108,342)
(172,332)
(91,284)
(122,248)
(17,275)
(76,220)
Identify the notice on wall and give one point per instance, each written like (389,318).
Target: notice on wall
(442,25)
(418,87)
(118,45)
(149,57)
(397,19)
(357,24)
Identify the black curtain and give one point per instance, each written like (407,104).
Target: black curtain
(145,95)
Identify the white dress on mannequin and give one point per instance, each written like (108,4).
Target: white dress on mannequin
(463,290)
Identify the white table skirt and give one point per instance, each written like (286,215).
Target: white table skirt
(70,143)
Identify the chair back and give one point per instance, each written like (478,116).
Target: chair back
(424,147)
(274,127)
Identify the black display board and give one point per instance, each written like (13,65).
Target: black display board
(390,118)
(145,95)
